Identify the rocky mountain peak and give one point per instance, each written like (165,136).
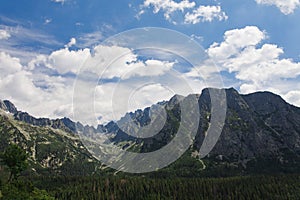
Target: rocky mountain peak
(8,106)
(265,102)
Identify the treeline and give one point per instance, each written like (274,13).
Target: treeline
(252,187)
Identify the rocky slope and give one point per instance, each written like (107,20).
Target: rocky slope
(51,150)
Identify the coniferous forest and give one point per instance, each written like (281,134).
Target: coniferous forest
(147,186)
(248,187)
(257,187)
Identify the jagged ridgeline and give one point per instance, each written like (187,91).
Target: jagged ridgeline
(261,135)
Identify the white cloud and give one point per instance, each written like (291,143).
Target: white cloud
(8,64)
(168,6)
(234,41)
(191,14)
(4,34)
(33,91)
(205,13)
(293,96)
(256,68)
(149,68)
(47,21)
(285,6)
(138,68)
(110,62)
(79,24)
(104,61)
(15,82)
(63,60)
(71,43)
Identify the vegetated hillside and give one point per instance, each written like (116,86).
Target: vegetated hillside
(52,151)
(261,135)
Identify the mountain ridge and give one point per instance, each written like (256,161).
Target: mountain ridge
(259,128)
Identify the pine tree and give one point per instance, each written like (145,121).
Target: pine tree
(15,159)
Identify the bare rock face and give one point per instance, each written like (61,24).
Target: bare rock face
(2,106)
(8,106)
(258,126)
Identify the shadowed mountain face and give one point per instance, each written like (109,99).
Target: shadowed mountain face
(259,126)
(261,133)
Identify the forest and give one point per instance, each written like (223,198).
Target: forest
(14,185)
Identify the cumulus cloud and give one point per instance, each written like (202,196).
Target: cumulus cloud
(285,6)
(71,43)
(63,60)
(205,13)
(33,86)
(105,61)
(8,64)
(257,66)
(191,14)
(4,34)
(110,62)
(234,41)
(15,82)
(168,6)
(33,91)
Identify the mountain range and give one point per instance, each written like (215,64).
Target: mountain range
(261,134)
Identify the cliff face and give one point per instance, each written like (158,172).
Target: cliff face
(259,125)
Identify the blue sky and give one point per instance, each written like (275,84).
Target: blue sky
(43,44)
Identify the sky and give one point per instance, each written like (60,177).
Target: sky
(59,56)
